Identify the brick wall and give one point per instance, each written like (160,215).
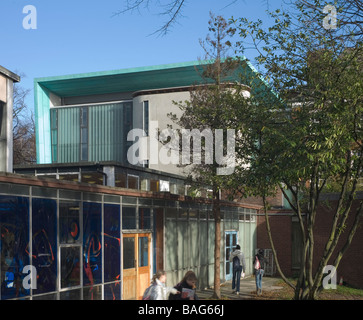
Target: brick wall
(280,225)
(350,267)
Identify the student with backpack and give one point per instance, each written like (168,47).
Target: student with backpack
(157,290)
(239,266)
(259,266)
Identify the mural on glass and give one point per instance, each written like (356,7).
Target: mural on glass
(69,237)
(14,227)
(44,244)
(112,262)
(92,257)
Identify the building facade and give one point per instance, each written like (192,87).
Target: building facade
(94,225)
(7,80)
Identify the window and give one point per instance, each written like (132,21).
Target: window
(70,266)
(145,119)
(128,218)
(69,222)
(132,182)
(164,186)
(70,243)
(144,218)
(143,251)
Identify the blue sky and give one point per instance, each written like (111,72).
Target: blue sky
(79,36)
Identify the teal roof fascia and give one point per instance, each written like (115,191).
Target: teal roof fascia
(42,124)
(125,80)
(121,71)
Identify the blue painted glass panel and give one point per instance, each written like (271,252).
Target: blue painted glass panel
(70,266)
(92,243)
(44,242)
(14,245)
(112,291)
(112,224)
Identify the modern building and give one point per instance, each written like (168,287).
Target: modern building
(84,223)
(96,226)
(7,79)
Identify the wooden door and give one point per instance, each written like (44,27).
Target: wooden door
(136,265)
(143,263)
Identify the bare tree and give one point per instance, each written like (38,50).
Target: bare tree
(23,128)
(172,9)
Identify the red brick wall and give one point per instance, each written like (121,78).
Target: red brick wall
(350,267)
(274,201)
(281,233)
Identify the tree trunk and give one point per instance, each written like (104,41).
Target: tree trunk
(268,228)
(217,244)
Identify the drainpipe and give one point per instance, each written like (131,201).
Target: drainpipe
(99,170)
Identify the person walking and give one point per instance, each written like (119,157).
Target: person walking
(239,266)
(157,290)
(259,265)
(186,288)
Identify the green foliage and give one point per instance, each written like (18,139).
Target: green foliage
(310,139)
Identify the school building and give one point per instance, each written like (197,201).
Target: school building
(84,223)
(95,226)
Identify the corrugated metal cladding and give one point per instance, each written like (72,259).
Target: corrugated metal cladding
(92,133)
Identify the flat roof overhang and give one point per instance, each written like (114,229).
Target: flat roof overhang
(127,80)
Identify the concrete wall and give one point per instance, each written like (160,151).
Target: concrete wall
(160,105)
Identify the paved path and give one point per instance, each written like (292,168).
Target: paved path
(247,289)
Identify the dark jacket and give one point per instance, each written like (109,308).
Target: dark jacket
(180,286)
(262,260)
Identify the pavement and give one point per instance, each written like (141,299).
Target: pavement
(247,289)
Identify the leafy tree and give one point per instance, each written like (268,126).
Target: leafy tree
(207,110)
(311,135)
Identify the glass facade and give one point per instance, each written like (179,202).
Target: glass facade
(14,225)
(80,244)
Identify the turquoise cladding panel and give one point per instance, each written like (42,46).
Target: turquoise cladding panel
(68,135)
(105,132)
(42,124)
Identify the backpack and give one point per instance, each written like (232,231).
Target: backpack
(236,263)
(149,293)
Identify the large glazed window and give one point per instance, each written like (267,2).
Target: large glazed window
(14,227)
(44,244)
(112,242)
(92,243)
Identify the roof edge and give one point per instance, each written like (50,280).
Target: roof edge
(9,74)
